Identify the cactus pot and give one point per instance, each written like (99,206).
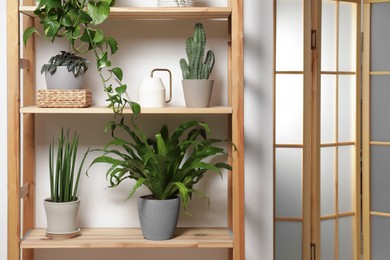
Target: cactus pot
(158,218)
(197,92)
(61,216)
(63,79)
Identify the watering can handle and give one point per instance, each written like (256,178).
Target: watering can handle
(170,81)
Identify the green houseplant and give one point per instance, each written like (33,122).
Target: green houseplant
(65,71)
(63,204)
(196,70)
(77,22)
(168,165)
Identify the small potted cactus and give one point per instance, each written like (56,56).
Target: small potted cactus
(196,70)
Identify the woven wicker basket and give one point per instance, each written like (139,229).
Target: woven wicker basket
(64,98)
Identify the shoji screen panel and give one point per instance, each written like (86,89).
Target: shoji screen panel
(339,131)
(291,224)
(376,130)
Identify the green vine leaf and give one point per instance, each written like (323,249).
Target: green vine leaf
(113,44)
(99,36)
(118,73)
(84,17)
(98,11)
(27,34)
(51,27)
(121,89)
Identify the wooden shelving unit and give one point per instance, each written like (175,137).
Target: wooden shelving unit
(103,110)
(131,238)
(23,237)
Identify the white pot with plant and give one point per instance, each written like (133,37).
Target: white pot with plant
(63,204)
(65,71)
(196,70)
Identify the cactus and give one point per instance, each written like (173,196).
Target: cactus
(194,67)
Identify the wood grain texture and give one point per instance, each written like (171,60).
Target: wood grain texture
(105,110)
(13,129)
(132,238)
(170,13)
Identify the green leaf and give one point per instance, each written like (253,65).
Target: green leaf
(121,89)
(51,27)
(103,61)
(138,184)
(160,145)
(118,73)
(84,17)
(136,108)
(99,36)
(98,11)
(27,34)
(113,44)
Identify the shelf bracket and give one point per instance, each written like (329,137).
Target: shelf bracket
(24,64)
(24,190)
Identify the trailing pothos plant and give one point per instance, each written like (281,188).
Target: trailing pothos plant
(168,165)
(77,21)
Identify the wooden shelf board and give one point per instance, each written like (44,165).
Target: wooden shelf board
(157,12)
(131,238)
(105,110)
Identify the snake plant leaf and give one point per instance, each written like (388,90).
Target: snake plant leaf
(98,11)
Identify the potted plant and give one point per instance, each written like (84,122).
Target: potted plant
(77,22)
(62,206)
(65,71)
(196,70)
(168,165)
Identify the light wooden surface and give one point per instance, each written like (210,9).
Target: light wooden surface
(132,238)
(366,134)
(105,110)
(158,12)
(13,129)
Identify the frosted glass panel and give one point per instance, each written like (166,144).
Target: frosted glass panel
(289,35)
(345,238)
(288,240)
(345,178)
(380,237)
(380,36)
(289,109)
(380,107)
(380,178)
(288,182)
(329,32)
(347,105)
(327,180)
(328,109)
(347,36)
(327,239)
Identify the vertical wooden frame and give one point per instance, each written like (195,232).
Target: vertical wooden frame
(28,135)
(366,134)
(237,85)
(13,129)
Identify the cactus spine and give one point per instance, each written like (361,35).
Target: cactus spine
(195,68)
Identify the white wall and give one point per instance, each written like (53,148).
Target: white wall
(258,131)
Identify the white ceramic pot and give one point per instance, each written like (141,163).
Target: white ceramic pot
(63,79)
(62,217)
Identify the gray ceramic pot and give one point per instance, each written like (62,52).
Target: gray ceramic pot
(197,92)
(61,217)
(63,79)
(158,218)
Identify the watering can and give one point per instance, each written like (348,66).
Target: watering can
(151,92)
